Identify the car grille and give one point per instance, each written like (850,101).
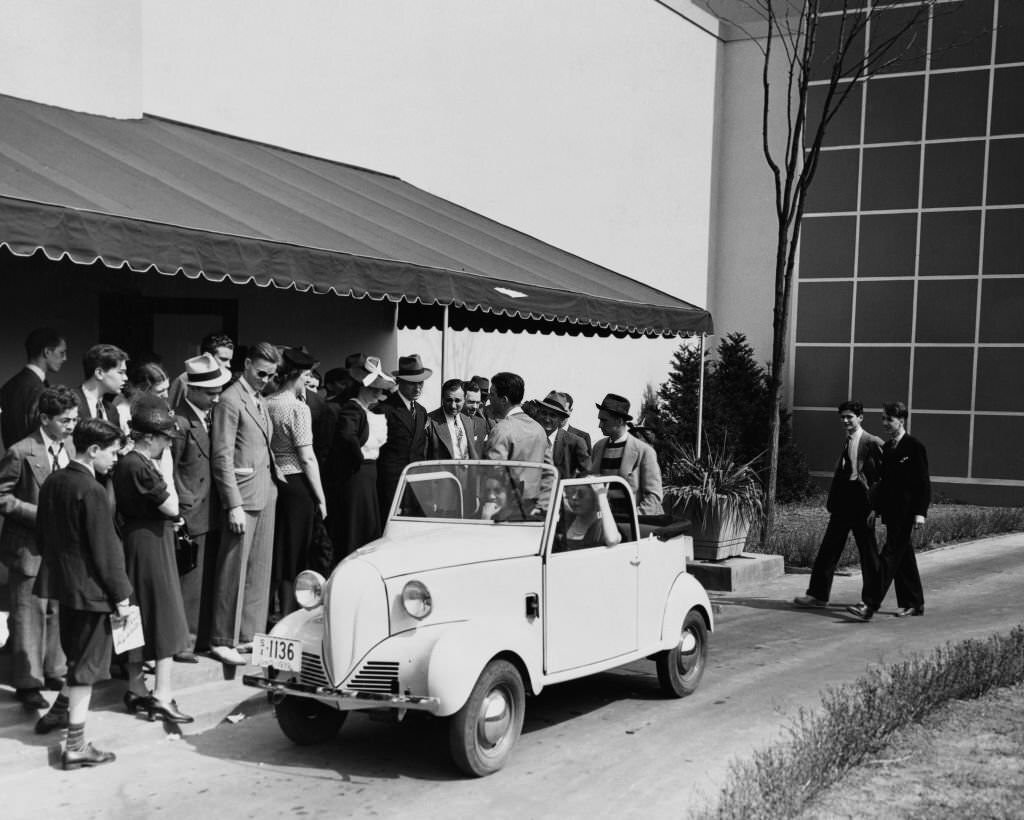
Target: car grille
(376,676)
(313,670)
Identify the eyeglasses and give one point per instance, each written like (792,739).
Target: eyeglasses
(266,374)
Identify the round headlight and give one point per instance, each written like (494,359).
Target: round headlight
(416,599)
(309,589)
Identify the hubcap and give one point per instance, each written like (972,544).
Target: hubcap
(495,718)
(689,652)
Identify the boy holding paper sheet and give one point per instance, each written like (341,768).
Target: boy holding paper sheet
(82,568)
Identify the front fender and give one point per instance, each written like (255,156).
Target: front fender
(304,624)
(686,594)
(460,655)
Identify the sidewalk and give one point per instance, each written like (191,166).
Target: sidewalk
(207,690)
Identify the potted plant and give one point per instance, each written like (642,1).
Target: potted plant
(719,495)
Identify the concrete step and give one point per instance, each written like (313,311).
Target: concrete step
(208,691)
(740,573)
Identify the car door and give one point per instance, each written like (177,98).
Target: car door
(590,589)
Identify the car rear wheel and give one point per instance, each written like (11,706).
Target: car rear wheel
(307,722)
(484,730)
(681,667)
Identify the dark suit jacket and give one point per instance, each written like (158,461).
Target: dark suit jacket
(193,477)
(905,489)
(583,435)
(350,433)
(23,469)
(109,412)
(439,437)
(570,454)
(83,560)
(407,442)
(18,399)
(869,462)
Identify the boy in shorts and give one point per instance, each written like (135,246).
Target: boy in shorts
(83,569)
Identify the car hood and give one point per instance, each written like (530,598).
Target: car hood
(417,546)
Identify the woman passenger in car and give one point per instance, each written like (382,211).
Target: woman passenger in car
(590,524)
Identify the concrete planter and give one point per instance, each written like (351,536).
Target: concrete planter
(716,539)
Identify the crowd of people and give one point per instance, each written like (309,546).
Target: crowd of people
(254,468)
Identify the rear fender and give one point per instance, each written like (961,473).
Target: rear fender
(460,655)
(686,594)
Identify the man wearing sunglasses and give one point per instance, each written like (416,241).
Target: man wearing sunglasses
(246,477)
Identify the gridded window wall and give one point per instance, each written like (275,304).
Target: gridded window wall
(911,275)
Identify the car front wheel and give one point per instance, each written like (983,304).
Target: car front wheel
(484,730)
(307,722)
(681,667)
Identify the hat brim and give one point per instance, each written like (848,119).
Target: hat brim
(553,408)
(219,380)
(623,416)
(413,377)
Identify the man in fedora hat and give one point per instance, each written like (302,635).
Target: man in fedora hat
(583,434)
(205,377)
(568,451)
(407,423)
(619,453)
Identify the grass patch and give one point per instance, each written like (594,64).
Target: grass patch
(800,526)
(856,720)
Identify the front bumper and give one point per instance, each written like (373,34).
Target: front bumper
(342,699)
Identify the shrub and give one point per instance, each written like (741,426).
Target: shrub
(737,403)
(856,720)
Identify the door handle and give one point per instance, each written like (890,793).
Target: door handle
(532,605)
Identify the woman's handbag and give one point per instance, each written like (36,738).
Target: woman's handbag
(186,551)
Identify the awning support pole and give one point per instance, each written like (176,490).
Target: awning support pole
(700,396)
(444,343)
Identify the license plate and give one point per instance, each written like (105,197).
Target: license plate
(279,653)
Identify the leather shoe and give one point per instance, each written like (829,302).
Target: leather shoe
(54,684)
(862,611)
(87,756)
(50,721)
(166,711)
(227,655)
(904,611)
(31,699)
(809,602)
(186,657)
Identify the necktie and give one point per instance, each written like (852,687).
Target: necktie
(54,453)
(845,468)
(460,442)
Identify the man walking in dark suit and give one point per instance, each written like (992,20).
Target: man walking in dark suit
(407,421)
(37,660)
(246,477)
(856,470)
(83,569)
(105,368)
(902,497)
(450,432)
(193,479)
(46,351)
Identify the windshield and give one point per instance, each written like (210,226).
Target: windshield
(476,491)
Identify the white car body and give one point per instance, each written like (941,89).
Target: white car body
(497,591)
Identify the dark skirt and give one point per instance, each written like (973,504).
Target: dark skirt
(293,527)
(354,517)
(149,561)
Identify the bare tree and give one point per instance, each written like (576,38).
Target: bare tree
(838,44)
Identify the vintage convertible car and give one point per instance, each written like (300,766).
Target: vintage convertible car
(480,592)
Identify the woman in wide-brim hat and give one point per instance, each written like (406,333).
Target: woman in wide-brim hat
(147,512)
(353,507)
